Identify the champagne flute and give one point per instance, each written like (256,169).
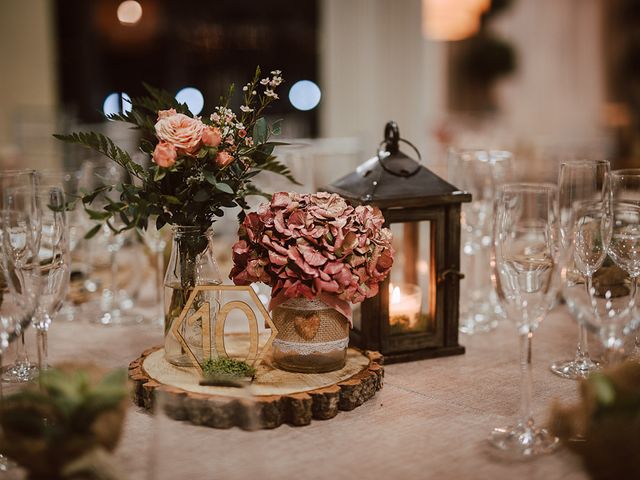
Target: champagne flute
(607,306)
(20,236)
(21,370)
(481,172)
(578,181)
(524,264)
(624,248)
(54,265)
(156,243)
(112,307)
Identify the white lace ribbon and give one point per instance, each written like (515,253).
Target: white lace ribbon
(310,348)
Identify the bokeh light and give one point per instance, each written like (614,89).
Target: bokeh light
(129,12)
(116,103)
(193,98)
(305,95)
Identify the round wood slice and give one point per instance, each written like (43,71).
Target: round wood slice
(277,396)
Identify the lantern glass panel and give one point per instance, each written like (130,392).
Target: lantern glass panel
(411,284)
(356,313)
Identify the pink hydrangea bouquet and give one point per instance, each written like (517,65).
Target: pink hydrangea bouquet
(314,246)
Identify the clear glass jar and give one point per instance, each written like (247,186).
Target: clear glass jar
(192,263)
(312,337)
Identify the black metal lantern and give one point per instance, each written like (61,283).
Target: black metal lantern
(415,314)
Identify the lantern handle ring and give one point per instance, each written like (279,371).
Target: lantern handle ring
(384,151)
(389,146)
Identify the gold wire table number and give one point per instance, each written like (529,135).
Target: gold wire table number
(256,354)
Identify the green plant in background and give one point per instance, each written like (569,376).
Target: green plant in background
(68,423)
(231,367)
(607,420)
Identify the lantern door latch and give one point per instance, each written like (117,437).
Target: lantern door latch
(450,272)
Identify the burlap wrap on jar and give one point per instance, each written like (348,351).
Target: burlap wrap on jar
(312,336)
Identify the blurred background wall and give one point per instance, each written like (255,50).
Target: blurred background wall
(545,78)
(28,83)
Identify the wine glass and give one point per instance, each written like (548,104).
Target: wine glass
(79,225)
(606,307)
(524,264)
(156,243)
(21,370)
(113,305)
(54,264)
(624,248)
(480,172)
(20,236)
(578,181)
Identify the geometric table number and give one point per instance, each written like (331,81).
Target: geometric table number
(256,353)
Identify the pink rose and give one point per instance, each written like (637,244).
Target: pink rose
(223,159)
(166,113)
(181,131)
(211,136)
(165,155)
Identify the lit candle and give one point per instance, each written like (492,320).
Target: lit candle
(405,304)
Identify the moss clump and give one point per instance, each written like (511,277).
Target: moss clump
(227,366)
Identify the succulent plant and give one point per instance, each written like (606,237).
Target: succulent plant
(71,413)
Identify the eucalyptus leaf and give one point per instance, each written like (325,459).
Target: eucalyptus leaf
(260,131)
(223,187)
(92,233)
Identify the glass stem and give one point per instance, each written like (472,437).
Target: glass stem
(526,416)
(22,359)
(582,351)
(43,349)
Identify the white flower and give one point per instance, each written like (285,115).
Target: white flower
(245,88)
(264,81)
(215,117)
(239,126)
(270,93)
(275,72)
(254,92)
(246,108)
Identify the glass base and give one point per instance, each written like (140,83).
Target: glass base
(6,464)
(19,373)
(116,317)
(573,370)
(180,360)
(521,443)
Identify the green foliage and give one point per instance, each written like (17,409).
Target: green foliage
(65,405)
(614,397)
(227,367)
(195,189)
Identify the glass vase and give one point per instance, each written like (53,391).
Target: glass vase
(192,263)
(312,337)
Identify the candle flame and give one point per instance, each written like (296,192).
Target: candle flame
(395,295)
